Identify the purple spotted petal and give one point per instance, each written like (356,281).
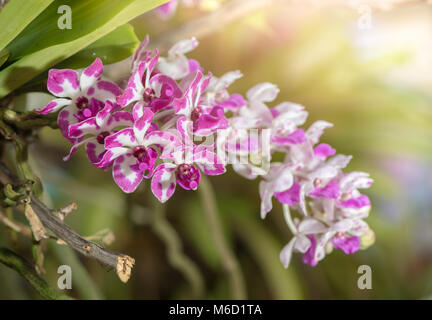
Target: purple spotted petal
(297,137)
(348,245)
(75,148)
(152,156)
(95,151)
(128,96)
(266,198)
(64,120)
(234,102)
(192,84)
(142,124)
(125,173)
(324,150)
(166,140)
(109,156)
(134,88)
(209,162)
(194,66)
(263,92)
(308,257)
(210,122)
(181,105)
(118,119)
(185,128)
(316,130)
(91,74)
(166,90)
(164,181)
(153,62)
(83,128)
(141,53)
(106,90)
(290,196)
(176,65)
(330,191)
(103,115)
(122,138)
(356,203)
(183,47)
(54,106)
(63,83)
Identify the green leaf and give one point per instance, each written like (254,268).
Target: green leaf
(115,46)
(43,32)
(16,15)
(31,65)
(4,56)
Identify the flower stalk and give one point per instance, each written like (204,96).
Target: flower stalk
(229,261)
(176,257)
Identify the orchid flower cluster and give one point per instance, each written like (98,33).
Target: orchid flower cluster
(149,126)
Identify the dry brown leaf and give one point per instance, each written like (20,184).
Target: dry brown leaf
(124,267)
(38,229)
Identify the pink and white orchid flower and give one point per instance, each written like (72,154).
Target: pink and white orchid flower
(129,151)
(93,131)
(75,92)
(206,119)
(183,163)
(176,65)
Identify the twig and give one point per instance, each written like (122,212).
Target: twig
(21,152)
(30,120)
(64,212)
(230,263)
(36,226)
(20,265)
(15,226)
(123,264)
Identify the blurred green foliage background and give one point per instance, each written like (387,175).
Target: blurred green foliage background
(373,84)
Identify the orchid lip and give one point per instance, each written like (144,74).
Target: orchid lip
(148,95)
(140,152)
(196,114)
(188,175)
(101,137)
(82,102)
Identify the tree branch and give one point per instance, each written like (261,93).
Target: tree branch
(15,226)
(30,120)
(123,264)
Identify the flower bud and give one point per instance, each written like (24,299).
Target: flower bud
(367,239)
